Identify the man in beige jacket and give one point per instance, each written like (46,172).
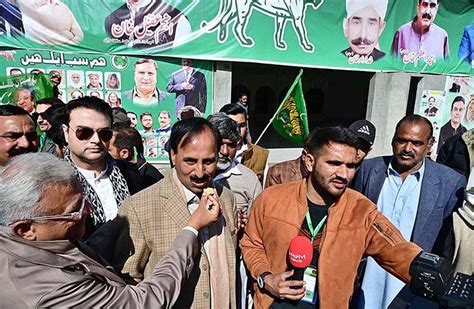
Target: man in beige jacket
(42,214)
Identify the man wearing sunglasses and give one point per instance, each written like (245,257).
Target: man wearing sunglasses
(17,133)
(106,182)
(42,215)
(421,35)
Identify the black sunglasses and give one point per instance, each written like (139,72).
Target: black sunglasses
(85,133)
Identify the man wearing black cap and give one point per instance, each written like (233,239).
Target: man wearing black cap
(365,132)
(292,170)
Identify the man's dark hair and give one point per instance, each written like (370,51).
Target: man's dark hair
(415,119)
(56,115)
(128,138)
(145,114)
(50,101)
(93,103)
(233,109)
(324,136)
(12,110)
(130,112)
(120,115)
(457,99)
(227,127)
(184,130)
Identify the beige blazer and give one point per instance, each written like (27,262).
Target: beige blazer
(156,215)
(56,274)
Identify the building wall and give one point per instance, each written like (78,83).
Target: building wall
(333,97)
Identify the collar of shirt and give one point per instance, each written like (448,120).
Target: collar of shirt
(137,95)
(191,198)
(90,175)
(240,152)
(418,173)
(232,170)
(188,73)
(168,128)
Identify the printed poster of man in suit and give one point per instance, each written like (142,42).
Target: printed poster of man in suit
(190,87)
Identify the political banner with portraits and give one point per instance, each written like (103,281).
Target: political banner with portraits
(154,91)
(451,110)
(391,35)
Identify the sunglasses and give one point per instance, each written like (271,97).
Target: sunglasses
(432,5)
(76,216)
(85,133)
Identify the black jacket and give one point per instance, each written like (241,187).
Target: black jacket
(454,154)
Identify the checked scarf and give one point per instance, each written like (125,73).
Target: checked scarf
(119,185)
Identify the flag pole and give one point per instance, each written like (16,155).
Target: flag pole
(279,107)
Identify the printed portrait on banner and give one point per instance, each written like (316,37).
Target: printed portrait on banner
(154,92)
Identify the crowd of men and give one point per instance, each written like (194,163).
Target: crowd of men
(86,221)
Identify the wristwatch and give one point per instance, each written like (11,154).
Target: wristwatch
(261,279)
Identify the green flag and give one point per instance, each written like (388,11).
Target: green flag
(40,84)
(291,118)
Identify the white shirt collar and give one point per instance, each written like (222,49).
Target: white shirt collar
(240,152)
(189,195)
(88,174)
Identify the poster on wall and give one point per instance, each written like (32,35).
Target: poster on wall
(154,91)
(451,111)
(391,35)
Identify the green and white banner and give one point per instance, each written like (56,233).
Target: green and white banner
(376,35)
(153,90)
(451,110)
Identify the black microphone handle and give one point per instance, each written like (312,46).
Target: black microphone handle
(298,274)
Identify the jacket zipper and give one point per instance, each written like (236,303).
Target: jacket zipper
(387,237)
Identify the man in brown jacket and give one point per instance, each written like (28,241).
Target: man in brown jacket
(342,225)
(42,214)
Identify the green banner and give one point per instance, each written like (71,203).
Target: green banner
(430,36)
(450,110)
(153,90)
(25,89)
(291,118)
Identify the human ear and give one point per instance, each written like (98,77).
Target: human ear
(309,162)
(24,229)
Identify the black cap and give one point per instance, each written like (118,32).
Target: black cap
(365,131)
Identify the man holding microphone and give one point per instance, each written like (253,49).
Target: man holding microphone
(341,224)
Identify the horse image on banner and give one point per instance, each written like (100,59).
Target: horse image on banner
(282,10)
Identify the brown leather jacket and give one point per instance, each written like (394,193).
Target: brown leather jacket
(355,228)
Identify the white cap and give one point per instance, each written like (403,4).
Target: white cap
(353,6)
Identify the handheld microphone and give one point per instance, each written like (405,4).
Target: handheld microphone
(300,254)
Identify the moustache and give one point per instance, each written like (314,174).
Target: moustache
(224,159)
(406,153)
(426,15)
(360,41)
(340,179)
(18,151)
(202,179)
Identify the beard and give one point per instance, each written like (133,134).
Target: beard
(223,163)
